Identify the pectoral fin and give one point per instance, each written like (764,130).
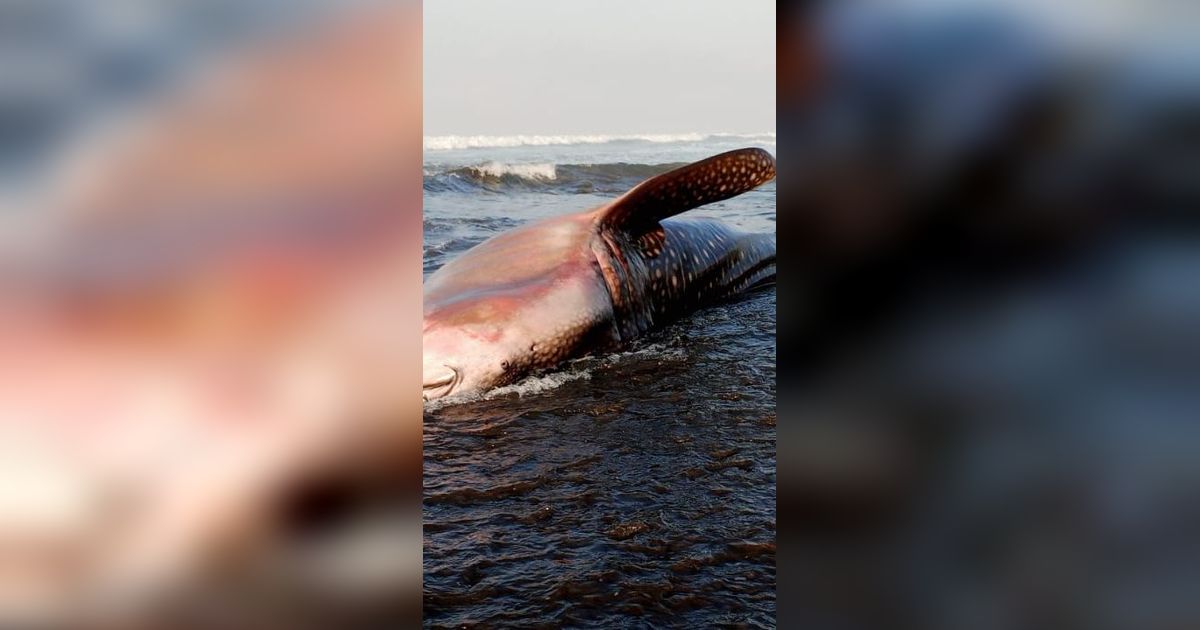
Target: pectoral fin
(712,179)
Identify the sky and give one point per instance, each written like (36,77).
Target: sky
(598,66)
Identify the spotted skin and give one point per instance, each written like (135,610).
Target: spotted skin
(709,180)
(683,265)
(563,287)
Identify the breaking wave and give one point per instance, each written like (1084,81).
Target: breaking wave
(569,178)
(451,142)
(499,170)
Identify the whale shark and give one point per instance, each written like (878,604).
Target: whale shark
(559,288)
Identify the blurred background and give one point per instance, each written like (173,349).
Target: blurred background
(209,256)
(211,234)
(988,313)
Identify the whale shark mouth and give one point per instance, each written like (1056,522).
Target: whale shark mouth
(441,386)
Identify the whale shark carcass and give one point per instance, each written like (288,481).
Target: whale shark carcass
(563,287)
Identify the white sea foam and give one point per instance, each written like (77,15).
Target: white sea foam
(659,351)
(538,384)
(445,143)
(527,171)
(527,386)
(577,369)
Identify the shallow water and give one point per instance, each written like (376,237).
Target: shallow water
(635,488)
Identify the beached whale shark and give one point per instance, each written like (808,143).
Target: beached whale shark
(563,287)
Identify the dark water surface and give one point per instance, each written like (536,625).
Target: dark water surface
(627,490)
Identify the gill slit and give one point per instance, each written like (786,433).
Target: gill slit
(604,253)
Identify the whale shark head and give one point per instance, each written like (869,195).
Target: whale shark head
(519,301)
(496,339)
(464,353)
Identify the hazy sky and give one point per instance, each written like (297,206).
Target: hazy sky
(599,66)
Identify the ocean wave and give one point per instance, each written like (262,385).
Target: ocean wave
(499,170)
(567,178)
(451,142)
(543,177)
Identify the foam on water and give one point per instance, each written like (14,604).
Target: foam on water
(527,386)
(656,350)
(538,384)
(526,171)
(579,369)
